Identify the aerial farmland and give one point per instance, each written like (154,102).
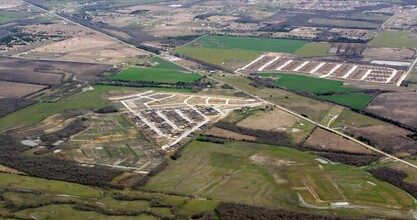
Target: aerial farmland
(197,109)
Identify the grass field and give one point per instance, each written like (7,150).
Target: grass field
(314,49)
(271,176)
(354,119)
(27,191)
(165,64)
(358,101)
(219,57)
(8,16)
(316,85)
(308,84)
(231,51)
(156,75)
(254,44)
(394,39)
(84,100)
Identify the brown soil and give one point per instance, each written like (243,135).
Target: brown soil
(323,139)
(218,132)
(47,72)
(265,159)
(269,120)
(12,89)
(89,48)
(400,106)
(399,54)
(388,138)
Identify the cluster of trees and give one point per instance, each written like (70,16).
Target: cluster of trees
(276,28)
(259,82)
(52,168)
(106,109)
(412,136)
(262,136)
(233,211)
(212,139)
(10,105)
(394,177)
(204,216)
(73,127)
(179,85)
(226,86)
(174,41)
(374,92)
(352,159)
(144,179)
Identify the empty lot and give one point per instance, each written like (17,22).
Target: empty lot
(12,89)
(269,120)
(397,106)
(326,140)
(47,72)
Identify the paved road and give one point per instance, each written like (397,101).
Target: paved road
(326,128)
(256,97)
(408,72)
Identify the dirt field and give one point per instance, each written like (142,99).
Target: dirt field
(95,49)
(399,54)
(47,72)
(325,140)
(12,89)
(270,120)
(50,124)
(389,138)
(218,132)
(24,76)
(397,106)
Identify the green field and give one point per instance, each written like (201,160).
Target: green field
(219,57)
(316,85)
(25,190)
(394,39)
(308,84)
(266,176)
(232,51)
(254,44)
(8,16)
(84,100)
(358,101)
(355,120)
(156,75)
(165,64)
(314,49)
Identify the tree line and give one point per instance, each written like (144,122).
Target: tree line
(262,136)
(394,177)
(52,168)
(233,211)
(10,105)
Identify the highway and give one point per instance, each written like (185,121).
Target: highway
(256,97)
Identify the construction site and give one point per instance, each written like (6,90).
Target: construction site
(172,118)
(273,62)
